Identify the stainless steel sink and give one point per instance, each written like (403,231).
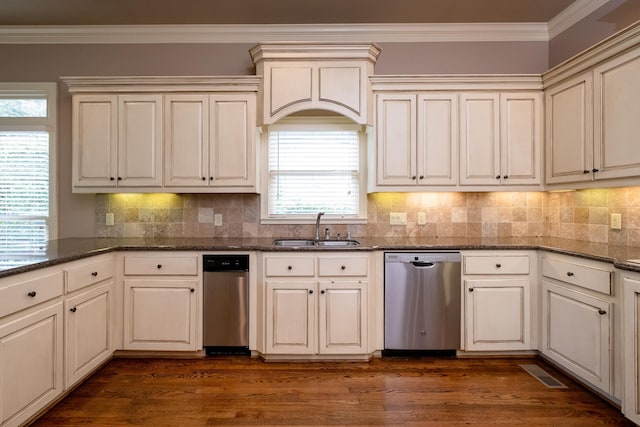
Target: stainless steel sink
(312,242)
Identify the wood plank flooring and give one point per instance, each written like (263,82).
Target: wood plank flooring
(390,391)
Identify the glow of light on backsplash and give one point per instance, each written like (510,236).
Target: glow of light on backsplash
(146,199)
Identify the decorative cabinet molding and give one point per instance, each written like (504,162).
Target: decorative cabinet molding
(631,342)
(203,128)
(311,76)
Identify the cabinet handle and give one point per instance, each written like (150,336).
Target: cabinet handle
(73,309)
(594,170)
(32,294)
(343,267)
(289,267)
(569,273)
(112,179)
(586,171)
(94,273)
(159,266)
(497,176)
(322,292)
(310,291)
(506,177)
(204,178)
(602,312)
(413,177)
(498,265)
(119,178)
(192,290)
(421,177)
(470,289)
(210,178)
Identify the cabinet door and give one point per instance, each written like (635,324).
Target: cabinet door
(396,139)
(576,331)
(160,314)
(30,364)
(88,340)
(497,314)
(232,148)
(480,139)
(616,124)
(569,124)
(94,140)
(520,138)
(186,140)
(291,317)
(342,326)
(631,343)
(140,140)
(437,142)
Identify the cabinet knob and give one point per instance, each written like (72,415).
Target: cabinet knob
(343,267)
(470,289)
(32,294)
(322,292)
(204,178)
(569,273)
(73,309)
(506,177)
(498,265)
(413,177)
(497,176)
(310,291)
(94,273)
(119,178)
(602,312)
(594,170)
(192,290)
(112,179)
(586,171)
(421,176)
(289,267)
(210,178)
(159,266)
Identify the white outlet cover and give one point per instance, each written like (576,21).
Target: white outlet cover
(616,221)
(217,219)
(109,219)
(422,218)
(398,218)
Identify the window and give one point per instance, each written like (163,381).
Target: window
(314,167)
(27,168)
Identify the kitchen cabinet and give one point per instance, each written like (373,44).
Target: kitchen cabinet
(31,344)
(316,305)
(416,139)
(500,138)
(88,316)
(161,296)
(577,318)
(631,340)
(210,141)
(311,76)
(117,140)
(497,301)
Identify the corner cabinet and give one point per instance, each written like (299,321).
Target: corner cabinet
(171,134)
(631,343)
(316,306)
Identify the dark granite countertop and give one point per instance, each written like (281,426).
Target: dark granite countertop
(65,250)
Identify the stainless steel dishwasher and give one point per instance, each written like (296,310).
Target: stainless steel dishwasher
(226,304)
(422,302)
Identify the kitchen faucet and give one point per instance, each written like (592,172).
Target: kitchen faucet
(318,225)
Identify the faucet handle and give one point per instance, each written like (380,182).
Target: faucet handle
(326,233)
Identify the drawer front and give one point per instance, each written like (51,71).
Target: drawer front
(304,267)
(586,276)
(500,264)
(352,266)
(21,295)
(87,274)
(161,266)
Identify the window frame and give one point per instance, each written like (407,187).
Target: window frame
(314,123)
(47,124)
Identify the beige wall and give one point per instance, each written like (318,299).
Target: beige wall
(582,215)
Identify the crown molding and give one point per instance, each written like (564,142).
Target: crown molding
(89,84)
(573,14)
(250,33)
(456,82)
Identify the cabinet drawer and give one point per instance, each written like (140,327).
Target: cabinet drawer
(87,274)
(496,264)
(352,266)
(25,294)
(161,266)
(290,267)
(586,276)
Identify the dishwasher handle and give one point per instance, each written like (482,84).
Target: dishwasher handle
(423,264)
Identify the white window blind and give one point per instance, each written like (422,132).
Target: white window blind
(313,170)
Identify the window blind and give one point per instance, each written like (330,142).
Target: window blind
(313,171)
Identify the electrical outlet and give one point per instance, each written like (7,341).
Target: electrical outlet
(422,218)
(109,219)
(217,220)
(398,218)
(616,221)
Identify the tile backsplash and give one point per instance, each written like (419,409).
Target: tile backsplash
(581,215)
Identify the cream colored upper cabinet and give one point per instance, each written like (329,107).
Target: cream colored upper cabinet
(569,143)
(117,140)
(310,76)
(617,113)
(210,141)
(416,139)
(500,138)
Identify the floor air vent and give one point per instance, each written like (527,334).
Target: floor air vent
(541,375)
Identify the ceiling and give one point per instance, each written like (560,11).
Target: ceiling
(141,12)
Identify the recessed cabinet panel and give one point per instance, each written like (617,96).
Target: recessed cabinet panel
(341,85)
(479,139)
(521,125)
(437,139)
(290,85)
(396,139)
(342,317)
(290,317)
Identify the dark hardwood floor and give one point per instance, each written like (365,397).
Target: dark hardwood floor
(396,391)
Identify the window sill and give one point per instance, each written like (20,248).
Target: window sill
(312,220)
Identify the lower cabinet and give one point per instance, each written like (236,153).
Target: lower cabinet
(31,363)
(88,334)
(631,352)
(497,300)
(577,318)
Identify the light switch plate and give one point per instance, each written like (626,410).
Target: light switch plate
(217,219)
(398,218)
(109,219)
(616,221)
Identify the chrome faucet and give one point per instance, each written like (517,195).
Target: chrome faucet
(318,225)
